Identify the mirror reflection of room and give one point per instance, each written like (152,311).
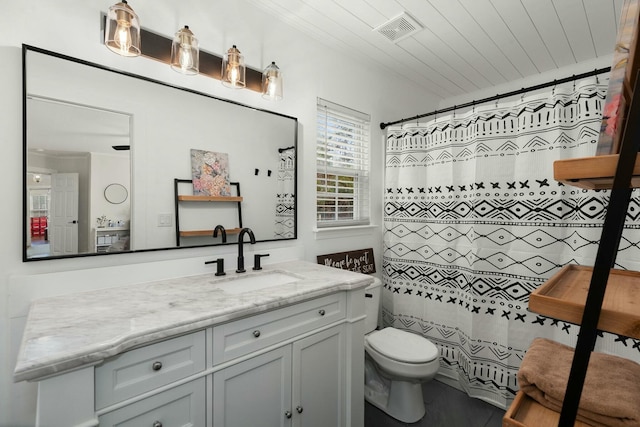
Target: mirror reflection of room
(71,160)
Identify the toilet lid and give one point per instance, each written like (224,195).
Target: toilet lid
(403,346)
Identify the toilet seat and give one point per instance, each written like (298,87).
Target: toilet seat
(402,346)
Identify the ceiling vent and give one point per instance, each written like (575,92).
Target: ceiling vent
(398,28)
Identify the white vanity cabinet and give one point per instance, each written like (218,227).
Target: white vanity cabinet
(295,362)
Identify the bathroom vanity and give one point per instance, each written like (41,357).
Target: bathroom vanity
(278,347)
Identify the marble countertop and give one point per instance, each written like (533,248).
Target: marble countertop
(70,331)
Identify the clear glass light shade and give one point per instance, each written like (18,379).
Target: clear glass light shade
(122,31)
(233,69)
(185,55)
(272,83)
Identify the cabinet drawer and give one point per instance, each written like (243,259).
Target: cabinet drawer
(183,406)
(137,371)
(250,334)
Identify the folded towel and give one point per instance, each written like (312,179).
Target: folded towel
(611,392)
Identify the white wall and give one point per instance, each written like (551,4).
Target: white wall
(542,78)
(310,70)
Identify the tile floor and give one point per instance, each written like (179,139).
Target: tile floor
(446,407)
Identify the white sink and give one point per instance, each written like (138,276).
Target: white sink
(256,282)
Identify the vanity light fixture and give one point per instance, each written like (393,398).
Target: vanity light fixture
(272,83)
(233,69)
(122,31)
(185,55)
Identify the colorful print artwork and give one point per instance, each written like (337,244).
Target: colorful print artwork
(210,173)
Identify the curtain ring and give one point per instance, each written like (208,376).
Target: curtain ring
(435,116)
(417,120)
(553,91)
(522,95)
(574,82)
(454,111)
(497,94)
(597,76)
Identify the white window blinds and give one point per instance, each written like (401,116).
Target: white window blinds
(342,158)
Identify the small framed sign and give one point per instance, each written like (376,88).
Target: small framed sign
(359,260)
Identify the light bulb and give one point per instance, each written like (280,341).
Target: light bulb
(271,87)
(186,60)
(123,37)
(233,74)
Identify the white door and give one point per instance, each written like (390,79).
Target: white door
(63,214)
(254,393)
(319,379)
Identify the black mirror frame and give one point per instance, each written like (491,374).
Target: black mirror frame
(25,49)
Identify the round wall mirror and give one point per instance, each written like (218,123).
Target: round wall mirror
(115,193)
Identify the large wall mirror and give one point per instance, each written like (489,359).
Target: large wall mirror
(115,162)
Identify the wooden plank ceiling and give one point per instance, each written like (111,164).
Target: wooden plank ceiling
(463,45)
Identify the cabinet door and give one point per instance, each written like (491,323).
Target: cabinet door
(256,392)
(319,379)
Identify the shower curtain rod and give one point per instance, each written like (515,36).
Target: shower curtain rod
(503,95)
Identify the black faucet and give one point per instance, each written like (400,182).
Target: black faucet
(222,230)
(240,248)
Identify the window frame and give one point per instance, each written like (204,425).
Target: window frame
(343,139)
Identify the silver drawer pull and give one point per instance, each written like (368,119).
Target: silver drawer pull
(299,409)
(156,367)
(287,414)
(157,424)
(256,333)
(321,312)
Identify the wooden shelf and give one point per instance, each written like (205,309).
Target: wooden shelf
(592,173)
(194,233)
(210,198)
(526,412)
(563,297)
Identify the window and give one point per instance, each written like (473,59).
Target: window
(342,158)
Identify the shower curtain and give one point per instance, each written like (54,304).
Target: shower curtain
(285,198)
(474,222)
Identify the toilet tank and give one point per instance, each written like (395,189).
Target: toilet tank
(372,305)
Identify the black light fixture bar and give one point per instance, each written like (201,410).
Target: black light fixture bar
(158,47)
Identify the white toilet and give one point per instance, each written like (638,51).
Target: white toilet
(396,365)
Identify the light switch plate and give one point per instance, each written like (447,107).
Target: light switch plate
(165,220)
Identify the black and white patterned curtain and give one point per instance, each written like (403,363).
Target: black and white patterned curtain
(285,203)
(474,221)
